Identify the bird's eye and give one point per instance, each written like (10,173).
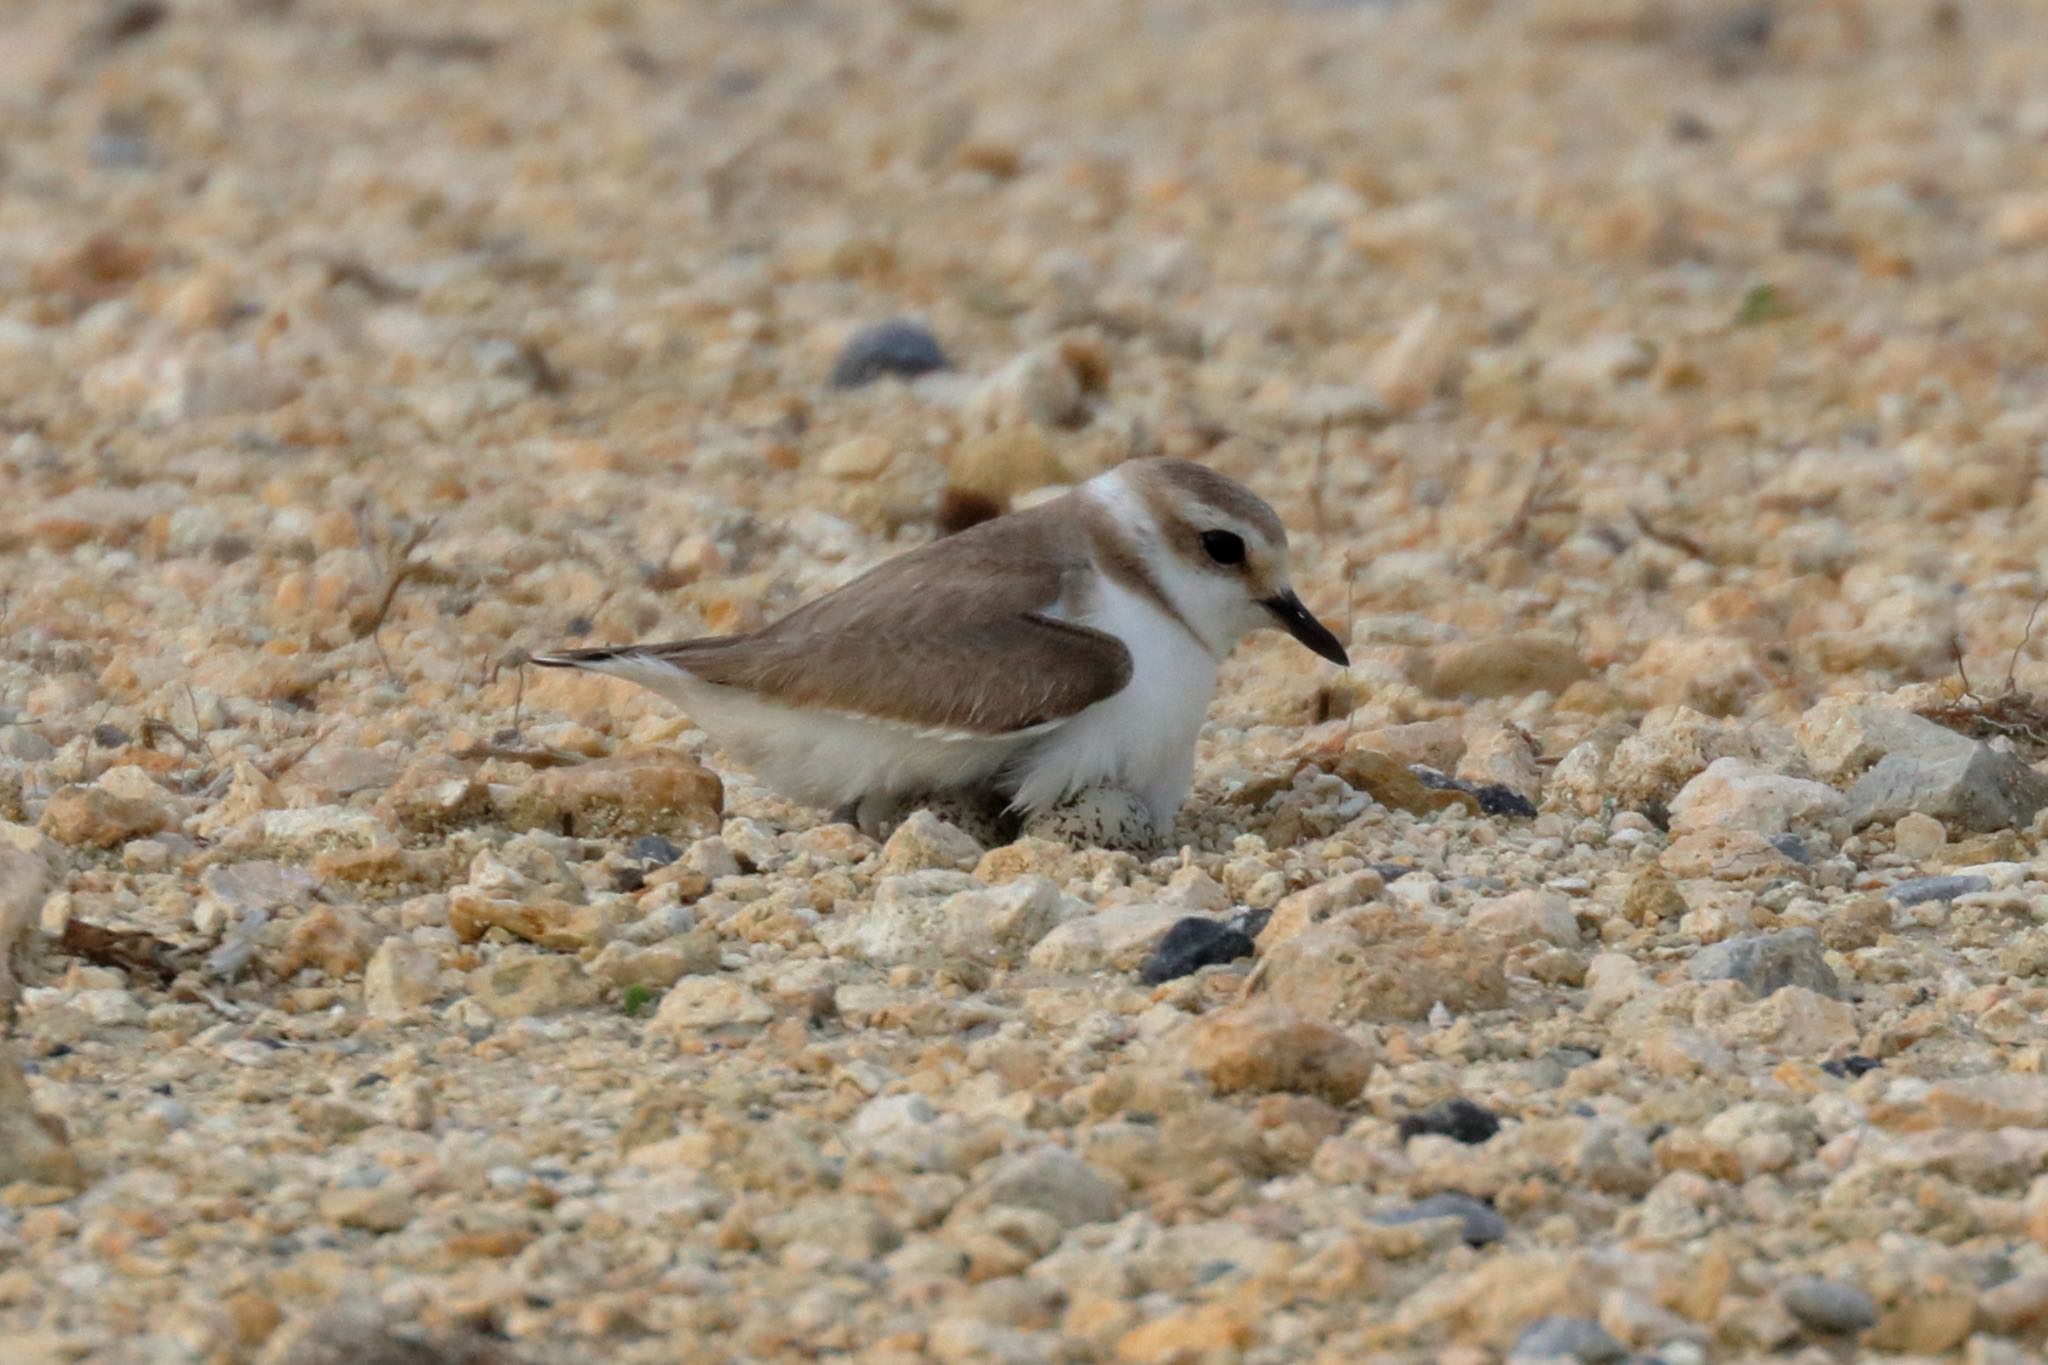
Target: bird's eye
(1225,547)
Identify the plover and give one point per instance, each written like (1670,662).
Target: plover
(1031,659)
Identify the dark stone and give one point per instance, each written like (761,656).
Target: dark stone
(1766,963)
(1391,872)
(1793,847)
(1251,923)
(1851,1066)
(1190,945)
(1483,1226)
(109,736)
(1456,1118)
(1579,1339)
(653,850)
(1914,890)
(1493,798)
(898,347)
(1828,1307)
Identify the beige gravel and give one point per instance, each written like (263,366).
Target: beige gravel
(1658,393)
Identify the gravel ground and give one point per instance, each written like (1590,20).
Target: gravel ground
(1638,953)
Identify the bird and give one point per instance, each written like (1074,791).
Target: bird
(1054,652)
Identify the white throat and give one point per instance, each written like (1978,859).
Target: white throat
(1211,605)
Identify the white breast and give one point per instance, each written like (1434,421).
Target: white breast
(1143,738)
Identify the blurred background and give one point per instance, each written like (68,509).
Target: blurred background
(1708,335)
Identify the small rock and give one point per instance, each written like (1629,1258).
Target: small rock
(858,459)
(1828,1307)
(651,792)
(1915,890)
(1981,790)
(401,976)
(1652,897)
(1421,361)
(552,924)
(1735,793)
(1397,787)
(2019,221)
(1501,759)
(1575,1339)
(1115,939)
(1715,674)
(1763,963)
(1527,917)
(1731,855)
(33,1147)
(1006,464)
(24,886)
(1918,836)
(1053,1181)
(925,841)
(1192,944)
(360,1332)
(1482,1226)
(1269,1048)
(1492,798)
(93,817)
(1503,666)
(1851,1067)
(1381,968)
(434,795)
(709,1004)
(659,965)
(519,985)
(1039,388)
(900,347)
(307,833)
(375,1208)
(1673,745)
(651,850)
(1456,1118)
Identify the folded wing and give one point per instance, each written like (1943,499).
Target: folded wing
(957,638)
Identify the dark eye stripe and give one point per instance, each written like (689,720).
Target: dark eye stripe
(1225,547)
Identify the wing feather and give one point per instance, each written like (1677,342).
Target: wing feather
(958,636)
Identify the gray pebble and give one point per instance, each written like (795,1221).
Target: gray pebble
(899,347)
(1828,1307)
(1765,963)
(1579,1339)
(1482,1224)
(1914,890)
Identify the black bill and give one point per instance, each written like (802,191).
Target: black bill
(1295,619)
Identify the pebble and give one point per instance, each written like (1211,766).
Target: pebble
(1055,1182)
(901,348)
(1456,1118)
(1915,890)
(1828,1307)
(1267,1048)
(33,1146)
(1574,1339)
(1479,1224)
(1763,963)
(630,795)
(1191,944)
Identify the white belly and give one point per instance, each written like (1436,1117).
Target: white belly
(1143,738)
(820,758)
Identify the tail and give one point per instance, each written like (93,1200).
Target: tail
(657,667)
(587,658)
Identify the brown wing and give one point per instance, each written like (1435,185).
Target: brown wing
(952,636)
